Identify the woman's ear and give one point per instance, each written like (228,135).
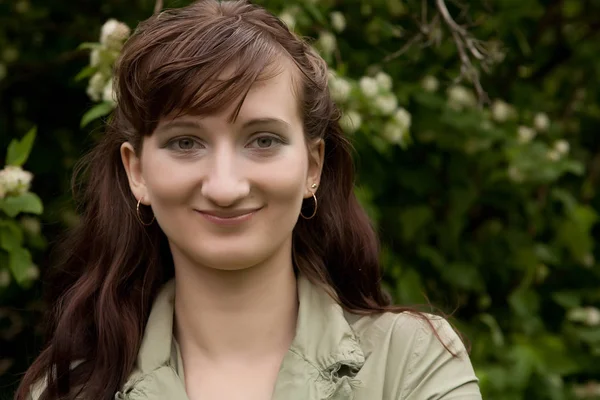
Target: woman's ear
(316,156)
(133,168)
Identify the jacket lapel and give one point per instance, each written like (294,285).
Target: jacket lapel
(156,376)
(325,355)
(321,363)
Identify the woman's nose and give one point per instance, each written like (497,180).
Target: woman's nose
(225,181)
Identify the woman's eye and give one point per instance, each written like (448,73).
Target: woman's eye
(265,142)
(183,144)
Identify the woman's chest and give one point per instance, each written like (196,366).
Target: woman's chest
(234,382)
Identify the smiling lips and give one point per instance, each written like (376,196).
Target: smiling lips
(233,217)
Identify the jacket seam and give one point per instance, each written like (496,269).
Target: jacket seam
(414,357)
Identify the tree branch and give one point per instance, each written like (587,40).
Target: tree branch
(468,48)
(158,6)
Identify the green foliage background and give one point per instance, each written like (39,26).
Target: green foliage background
(472,216)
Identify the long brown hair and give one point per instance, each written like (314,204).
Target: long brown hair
(112,266)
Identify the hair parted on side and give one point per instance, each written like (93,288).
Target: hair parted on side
(111,266)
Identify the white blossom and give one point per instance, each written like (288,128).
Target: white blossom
(15,180)
(403,118)
(588,390)
(339,88)
(395,133)
(338,21)
(327,41)
(430,83)
(10,54)
(553,155)
(114,33)
(562,147)
(31,225)
(515,174)
(526,134)
(4,278)
(588,260)
(368,86)
(95,57)
(386,104)
(589,316)
(33,272)
(96,85)
(501,111)
(288,19)
(384,81)
(541,122)
(108,93)
(351,121)
(459,97)
(22,6)
(2,71)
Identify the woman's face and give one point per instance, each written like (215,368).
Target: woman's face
(228,194)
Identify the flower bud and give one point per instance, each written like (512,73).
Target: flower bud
(114,33)
(368,86)
(338,21)
(14,180)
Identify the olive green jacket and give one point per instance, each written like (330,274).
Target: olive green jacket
(334,356)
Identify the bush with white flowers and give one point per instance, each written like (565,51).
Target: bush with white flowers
(103,56)
(20,231)
(490,203)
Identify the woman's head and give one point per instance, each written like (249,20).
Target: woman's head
(221,110)
(210,77)
(246,157)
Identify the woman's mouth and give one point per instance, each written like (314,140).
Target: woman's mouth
(229,217)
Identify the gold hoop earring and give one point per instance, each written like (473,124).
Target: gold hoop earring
(139,216)
(314,212)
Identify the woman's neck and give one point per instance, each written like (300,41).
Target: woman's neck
(225,315)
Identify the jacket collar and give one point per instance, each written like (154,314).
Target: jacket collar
(323,335)
(325,349)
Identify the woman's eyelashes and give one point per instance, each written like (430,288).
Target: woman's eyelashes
(265,141)
(184,145)
(188,144)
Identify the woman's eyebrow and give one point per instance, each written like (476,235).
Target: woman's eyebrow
(197,125)
(265,121)
(180,124)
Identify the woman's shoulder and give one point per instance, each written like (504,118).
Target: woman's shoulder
(406,328)
(421,354)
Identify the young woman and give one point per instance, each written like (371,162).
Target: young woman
(222,253)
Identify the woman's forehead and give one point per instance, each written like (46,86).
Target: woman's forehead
(273,96)
(276,95)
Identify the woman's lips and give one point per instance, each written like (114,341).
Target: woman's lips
(233,218)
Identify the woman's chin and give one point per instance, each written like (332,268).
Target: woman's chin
(230,260)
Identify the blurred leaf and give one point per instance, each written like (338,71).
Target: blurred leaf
(24,203)
(85,73)
(96,112)
(492,324)
(11,235)
(524,302)
(19,262)
(18,151)
(314,11)
(567,299)
(413,219)
(88,46)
